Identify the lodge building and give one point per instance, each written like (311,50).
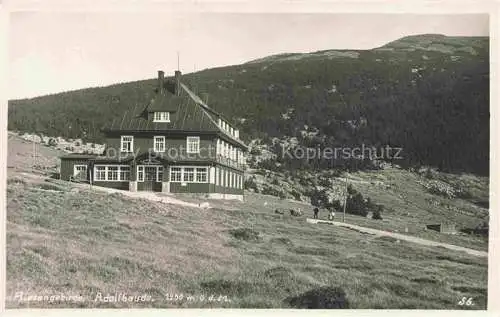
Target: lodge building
(175,144)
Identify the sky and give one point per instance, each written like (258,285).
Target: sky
(51,52)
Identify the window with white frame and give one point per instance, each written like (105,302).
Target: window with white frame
(175,174)
(188,174)
(111,173)
(201,174)
(124,173)
(140,173)
(161,117)
(80,172)
(159,173)
(100,173)
(141,176)
(193,144)
(159,143)
(127,143)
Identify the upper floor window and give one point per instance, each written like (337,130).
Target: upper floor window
(193,144)
(127,143)
(159,143)
(161,117)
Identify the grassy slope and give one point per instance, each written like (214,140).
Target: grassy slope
(408,206)
(77,241)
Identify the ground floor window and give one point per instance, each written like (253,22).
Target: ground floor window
(100,173)
(114,173)
(176,174)
(201,174)
(125,173)
(188,174)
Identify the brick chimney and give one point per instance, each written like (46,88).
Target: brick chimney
(161,76)
(178,82)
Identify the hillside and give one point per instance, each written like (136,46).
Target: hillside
(66,238)
(427,94)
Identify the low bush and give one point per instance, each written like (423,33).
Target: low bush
(269,190)
(251,184)
(440,189)
(52,142)
(245,234)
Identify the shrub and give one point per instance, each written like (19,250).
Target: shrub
(251,184)
(377,213)
(325,182)
(440,189)
(16,180)
(296,195)
(45,186)
(245,234)
(52,142)
(223,286)
(268,190)
(356,205)
(255,151)
(303,181)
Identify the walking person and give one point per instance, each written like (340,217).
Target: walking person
(331,215)
(316,211)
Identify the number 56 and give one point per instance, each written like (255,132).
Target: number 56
(466,301)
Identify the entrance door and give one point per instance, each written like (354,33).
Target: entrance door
(149,177)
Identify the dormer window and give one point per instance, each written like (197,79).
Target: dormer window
(161,117)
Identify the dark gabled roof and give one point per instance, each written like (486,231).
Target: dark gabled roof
(188,116)
(165,102)
(191,114)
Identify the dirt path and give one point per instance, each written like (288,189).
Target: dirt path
(402,237)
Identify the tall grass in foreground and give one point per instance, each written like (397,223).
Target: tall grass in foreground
(75,241)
